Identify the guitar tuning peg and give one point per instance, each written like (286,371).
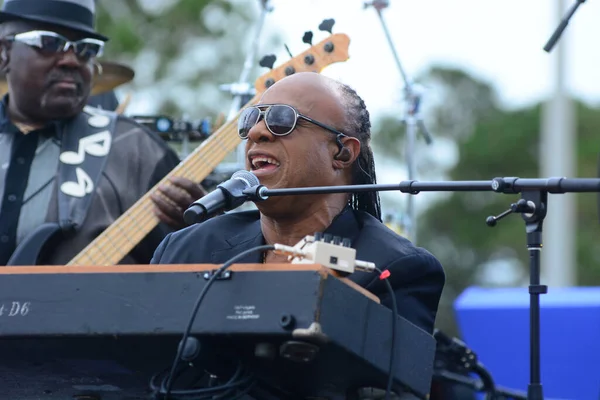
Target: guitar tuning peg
(308,37)
(327,25)
(267,61)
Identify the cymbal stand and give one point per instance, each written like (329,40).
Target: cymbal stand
(412,120)
(242,90)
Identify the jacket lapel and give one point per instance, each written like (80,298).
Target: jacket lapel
(246,238)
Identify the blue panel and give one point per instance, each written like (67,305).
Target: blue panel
(495,324)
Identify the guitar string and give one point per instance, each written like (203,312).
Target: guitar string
(137,223)
(188,168)
(144,219)
(141,218)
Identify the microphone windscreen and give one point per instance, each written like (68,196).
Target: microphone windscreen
(247,176)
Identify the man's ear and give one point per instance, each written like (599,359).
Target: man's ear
(348,151)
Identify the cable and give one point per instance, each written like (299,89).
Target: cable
(240,378)
(239,384)
(455,362)
(166,386)
(487,381)
(384,275)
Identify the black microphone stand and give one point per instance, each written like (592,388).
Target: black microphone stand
(532,206)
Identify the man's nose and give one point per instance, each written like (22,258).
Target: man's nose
(260,133)
(69,58)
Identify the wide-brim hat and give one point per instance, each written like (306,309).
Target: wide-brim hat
(78,15)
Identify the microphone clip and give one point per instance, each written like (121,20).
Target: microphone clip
(256,193)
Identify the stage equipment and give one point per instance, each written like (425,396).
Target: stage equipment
(176,130)
(412,119)
(455,362)
(99,332)
(333,250)
(562,26)
(532,207)
(241,90)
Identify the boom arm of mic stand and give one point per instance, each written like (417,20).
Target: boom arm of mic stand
(499,185)
(561,27)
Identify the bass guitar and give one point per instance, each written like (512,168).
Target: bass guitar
(112,245)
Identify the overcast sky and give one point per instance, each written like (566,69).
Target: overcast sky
(498,40)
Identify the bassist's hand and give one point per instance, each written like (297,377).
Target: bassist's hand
(171,200)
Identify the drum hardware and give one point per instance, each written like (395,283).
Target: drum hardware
(123,106)
(412,119)
(112,76)
(242,91)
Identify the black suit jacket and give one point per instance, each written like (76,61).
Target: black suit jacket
(416,276)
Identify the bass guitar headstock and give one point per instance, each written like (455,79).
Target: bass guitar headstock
(331,50)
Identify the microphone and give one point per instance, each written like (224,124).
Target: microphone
(227,196)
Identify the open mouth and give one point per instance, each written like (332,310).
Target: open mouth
(66,85)
(263,163)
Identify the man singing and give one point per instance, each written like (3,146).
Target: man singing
(309,130)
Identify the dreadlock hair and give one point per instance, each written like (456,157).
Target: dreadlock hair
(358,125)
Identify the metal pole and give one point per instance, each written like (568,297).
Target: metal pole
(413,122)
(558,158)
(242,88)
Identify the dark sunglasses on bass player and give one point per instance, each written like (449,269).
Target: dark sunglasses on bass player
(280,119)
(52,43)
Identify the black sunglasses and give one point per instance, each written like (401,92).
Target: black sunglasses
(52,43)
(280,119)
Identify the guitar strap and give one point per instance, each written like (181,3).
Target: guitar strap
(85,145)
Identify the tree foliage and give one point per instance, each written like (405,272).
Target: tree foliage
(494,142)
(181,50)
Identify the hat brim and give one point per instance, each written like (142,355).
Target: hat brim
(6,17)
